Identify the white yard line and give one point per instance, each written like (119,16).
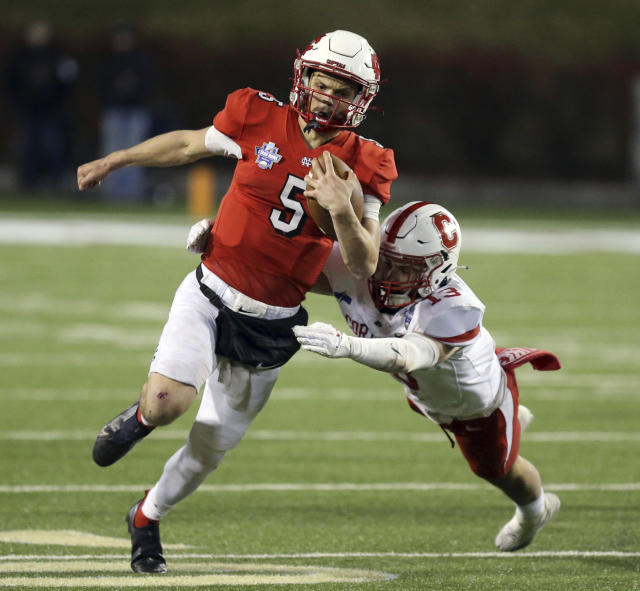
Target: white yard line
(268,435)
(81,232)
(507,555)
(311,487)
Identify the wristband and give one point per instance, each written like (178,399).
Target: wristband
(371,208)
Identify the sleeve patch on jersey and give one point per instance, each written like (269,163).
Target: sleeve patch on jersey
(342,296)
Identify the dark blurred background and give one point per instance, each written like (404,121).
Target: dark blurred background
(527,102)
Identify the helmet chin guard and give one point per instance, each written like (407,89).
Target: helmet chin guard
(344,55)
(419,251)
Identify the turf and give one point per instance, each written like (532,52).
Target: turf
(79,325)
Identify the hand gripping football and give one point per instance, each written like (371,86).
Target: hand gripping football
(320,215)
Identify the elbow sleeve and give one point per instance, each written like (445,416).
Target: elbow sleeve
(221,145)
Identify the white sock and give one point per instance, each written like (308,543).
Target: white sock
(533,509)
(151,509)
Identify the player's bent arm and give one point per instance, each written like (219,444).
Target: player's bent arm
(359,242)
(168,149)
(397,354)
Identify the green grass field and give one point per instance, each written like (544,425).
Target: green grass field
(337,480)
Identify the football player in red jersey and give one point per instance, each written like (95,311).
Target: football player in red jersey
(229,327)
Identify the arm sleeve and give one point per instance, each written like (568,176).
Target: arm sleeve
(409,353)
(221,145)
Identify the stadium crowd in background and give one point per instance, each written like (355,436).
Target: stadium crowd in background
(38,79)
(127,80)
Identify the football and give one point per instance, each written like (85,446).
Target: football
(320,215)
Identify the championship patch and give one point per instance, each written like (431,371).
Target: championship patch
(267,155)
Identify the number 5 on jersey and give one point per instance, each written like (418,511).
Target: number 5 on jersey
(290,220)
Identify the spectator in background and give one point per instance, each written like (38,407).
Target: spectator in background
(39,77)
(128,81)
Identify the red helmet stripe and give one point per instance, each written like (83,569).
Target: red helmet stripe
(395,227)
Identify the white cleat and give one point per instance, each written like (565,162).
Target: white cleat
(518,533)
(525,416)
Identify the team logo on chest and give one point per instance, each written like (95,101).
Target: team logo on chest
(267,155)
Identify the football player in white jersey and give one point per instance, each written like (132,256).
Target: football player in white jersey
(416,319)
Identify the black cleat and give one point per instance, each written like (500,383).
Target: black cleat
(118,436)
(146,549)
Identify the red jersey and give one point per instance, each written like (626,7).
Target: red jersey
(264,242)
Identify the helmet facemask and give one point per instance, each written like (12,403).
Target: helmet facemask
(347,57)
(335,112)
(419,250)
(400,279)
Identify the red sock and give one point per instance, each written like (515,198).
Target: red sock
(141,520)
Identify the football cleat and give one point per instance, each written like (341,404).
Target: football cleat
(118,436)
(519,532)
(146,549)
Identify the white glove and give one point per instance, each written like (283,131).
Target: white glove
(198,235)
(323,339)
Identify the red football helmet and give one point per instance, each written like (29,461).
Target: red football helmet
(345,55)
(419,251)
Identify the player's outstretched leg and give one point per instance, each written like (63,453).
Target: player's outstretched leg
(146,549)
(520,530)
(118,436)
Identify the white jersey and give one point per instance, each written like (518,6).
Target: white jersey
(471,383)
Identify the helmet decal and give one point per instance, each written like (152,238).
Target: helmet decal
(397,224)
(447,229)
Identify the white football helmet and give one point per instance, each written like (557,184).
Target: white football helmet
(345,55)
(419,250)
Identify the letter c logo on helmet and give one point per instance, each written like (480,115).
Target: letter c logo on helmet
(447,228)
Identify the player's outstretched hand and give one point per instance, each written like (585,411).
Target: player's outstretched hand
(323,339)
(198,236)
(93,173)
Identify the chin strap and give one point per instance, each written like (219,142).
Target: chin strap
(313,124)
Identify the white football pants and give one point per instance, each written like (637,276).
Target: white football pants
(233,396)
